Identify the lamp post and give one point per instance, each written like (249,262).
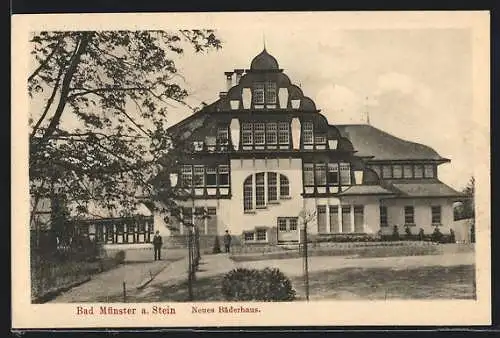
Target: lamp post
(306,216)
(173,183)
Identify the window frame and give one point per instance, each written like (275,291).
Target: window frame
(346,168)
(409,217)
(440,212)
(383,216)
(284,131)
(259,90)
(308,132)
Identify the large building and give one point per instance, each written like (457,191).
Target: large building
(263,152)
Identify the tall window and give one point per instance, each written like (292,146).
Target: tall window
(321,211)
(308,174)
(211,221)
(409,215)
(284,186)
(187,176)
(272,187)
(436,214)
(247,194)
(259,133)
(383,216)
(223,175)
(222,135)
(346,218)
(333,173)
(308,133)
(260,200)
(258,93)
(211,176)
(246,133)
(407,171)
(397,171)
(272,133)
(359,218)
(334,218)
(419,171)
(429,171)
(271,92)
(283,133)
(199,176)
(345,173)
(320,174)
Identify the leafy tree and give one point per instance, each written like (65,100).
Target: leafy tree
(99,103)
(465,209)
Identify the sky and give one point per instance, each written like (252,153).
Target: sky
(413,83)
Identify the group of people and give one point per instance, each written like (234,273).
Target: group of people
(158,243)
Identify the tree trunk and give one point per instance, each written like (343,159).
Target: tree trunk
(65,87)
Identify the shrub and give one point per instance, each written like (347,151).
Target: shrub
(120,257)
(421,235)
(452,236)
(216,248)
(260,285)
(408,234)
(395,233)
(437,235)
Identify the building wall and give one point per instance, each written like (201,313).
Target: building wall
(237,219)
(422,214)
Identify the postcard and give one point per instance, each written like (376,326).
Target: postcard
(250,169)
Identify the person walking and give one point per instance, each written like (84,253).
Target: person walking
(157,243)
(227,241)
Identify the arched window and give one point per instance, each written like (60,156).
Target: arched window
(263,188)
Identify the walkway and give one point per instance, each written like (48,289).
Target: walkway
(108,286)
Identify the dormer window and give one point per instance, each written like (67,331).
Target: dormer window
(308,133)
(198,145)
(264,92)
(258,93)
(270,92)
(222,136)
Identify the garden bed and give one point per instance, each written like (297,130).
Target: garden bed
(380,249)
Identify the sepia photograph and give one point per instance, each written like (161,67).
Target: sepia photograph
(186,171)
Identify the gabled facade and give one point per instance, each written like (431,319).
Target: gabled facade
(263,152)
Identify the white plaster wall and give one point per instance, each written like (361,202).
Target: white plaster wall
(423,214)
(234,217)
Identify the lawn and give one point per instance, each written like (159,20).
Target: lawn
(434,282)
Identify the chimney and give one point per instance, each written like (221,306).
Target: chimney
(229,80)
(239,73)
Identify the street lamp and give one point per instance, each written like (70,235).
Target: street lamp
(173,183)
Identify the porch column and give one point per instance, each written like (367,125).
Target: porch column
(329,227)
(352,218)
(340,217)
(265,188)
(254,192)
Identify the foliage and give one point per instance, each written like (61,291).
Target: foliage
(395,233)
(216,248)
(465,209)
(99,102)
(257,285)
(421,234)
(120,257)
(408,233)
(437,235)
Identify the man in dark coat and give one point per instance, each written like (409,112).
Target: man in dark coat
(157,243)
(227,241)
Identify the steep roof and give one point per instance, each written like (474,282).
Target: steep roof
(264,61)
(423,188)
(373,142)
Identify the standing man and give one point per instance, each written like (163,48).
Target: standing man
(227,241)
(157,243)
